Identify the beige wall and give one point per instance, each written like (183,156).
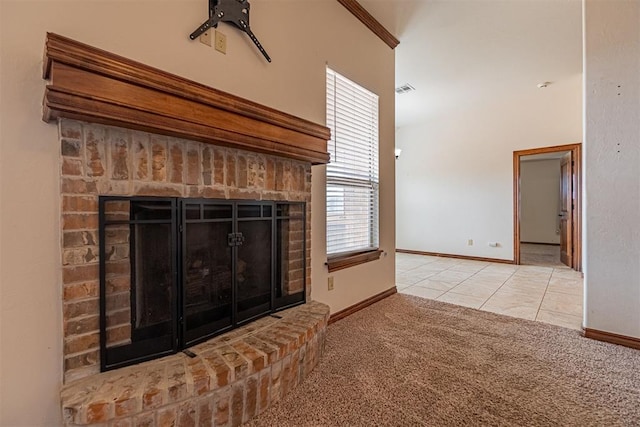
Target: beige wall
(540,201)
(611,164)
(296,36)
(455,174)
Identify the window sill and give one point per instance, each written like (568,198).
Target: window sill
(346,260)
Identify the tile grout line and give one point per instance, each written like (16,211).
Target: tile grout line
(415,268)
(500,287)
(564,313)
(543,295)
(449,290)
(458,284)
(486,266)
(435,274)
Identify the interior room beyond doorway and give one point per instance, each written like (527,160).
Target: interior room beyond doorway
(547,206)
(541,208)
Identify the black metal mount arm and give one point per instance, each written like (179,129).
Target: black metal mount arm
(235,12)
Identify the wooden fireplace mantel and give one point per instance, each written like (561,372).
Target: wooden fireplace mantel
(93,85)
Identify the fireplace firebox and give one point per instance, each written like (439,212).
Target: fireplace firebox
(176,271)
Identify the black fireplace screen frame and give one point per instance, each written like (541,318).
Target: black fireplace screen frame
(127,221)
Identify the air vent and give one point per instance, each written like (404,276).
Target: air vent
(404,89)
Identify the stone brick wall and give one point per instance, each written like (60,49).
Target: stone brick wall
(103,160)
(293,246)
(118,276)
(231,379)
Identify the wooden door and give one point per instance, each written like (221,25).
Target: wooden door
(566,210)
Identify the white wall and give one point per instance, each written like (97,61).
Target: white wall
(296,36)
(539,201)
(612,165)
(455,175)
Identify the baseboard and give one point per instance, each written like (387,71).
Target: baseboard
(472,258)
(362,304)
(540,243)
(612,338)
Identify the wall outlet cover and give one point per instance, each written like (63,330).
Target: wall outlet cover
(206,38)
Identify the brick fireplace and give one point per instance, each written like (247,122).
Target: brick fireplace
(130,130)
(105,160)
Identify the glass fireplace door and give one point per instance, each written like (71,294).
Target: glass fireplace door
(175,272)
(137,274)
(207,277)
(254,261)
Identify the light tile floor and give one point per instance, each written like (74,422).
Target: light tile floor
(550,294)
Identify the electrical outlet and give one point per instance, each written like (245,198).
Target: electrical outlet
(330,283)
(470,242)
(221,42)
(206,38)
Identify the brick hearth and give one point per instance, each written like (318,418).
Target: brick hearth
(232,378)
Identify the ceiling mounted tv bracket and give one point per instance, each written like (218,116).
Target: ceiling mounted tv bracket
(235,12)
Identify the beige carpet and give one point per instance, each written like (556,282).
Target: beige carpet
(408,361)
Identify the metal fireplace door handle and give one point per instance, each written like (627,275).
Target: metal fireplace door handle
(235,239)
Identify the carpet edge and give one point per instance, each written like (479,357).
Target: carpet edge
(362,304)
(612,338)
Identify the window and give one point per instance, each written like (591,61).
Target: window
(352,174)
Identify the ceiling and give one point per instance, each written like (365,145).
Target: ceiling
(457,53)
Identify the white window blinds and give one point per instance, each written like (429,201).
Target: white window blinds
(352,174)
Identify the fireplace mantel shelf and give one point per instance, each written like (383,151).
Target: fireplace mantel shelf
(93,85)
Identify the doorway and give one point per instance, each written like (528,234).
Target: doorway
(564,221)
